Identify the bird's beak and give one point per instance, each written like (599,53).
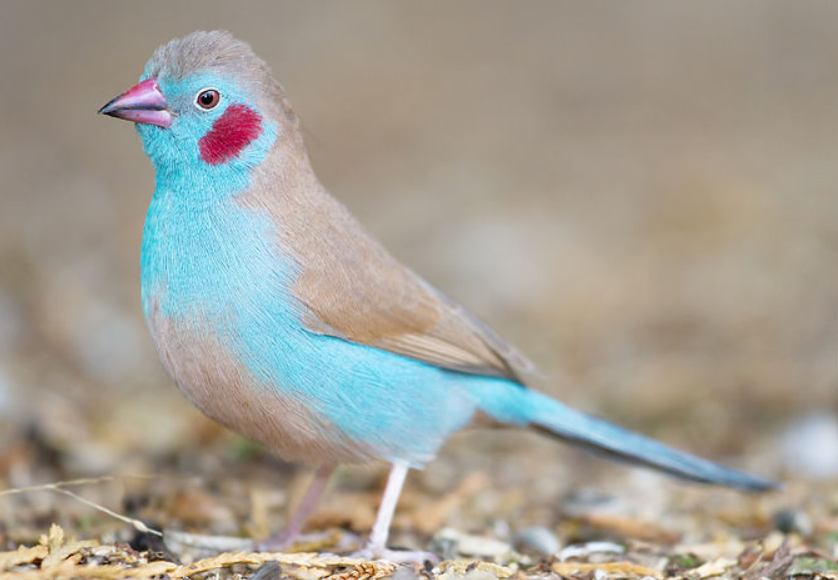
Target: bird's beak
(142,103)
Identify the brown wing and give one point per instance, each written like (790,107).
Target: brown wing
(422,324)
(350,287)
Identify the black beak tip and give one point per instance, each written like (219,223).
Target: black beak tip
(107,109)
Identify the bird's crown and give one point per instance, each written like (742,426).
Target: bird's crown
(218,53)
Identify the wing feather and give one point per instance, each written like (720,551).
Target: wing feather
(349,287)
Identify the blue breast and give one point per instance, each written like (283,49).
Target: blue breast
(212,265)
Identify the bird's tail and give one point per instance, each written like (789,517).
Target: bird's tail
(553,418)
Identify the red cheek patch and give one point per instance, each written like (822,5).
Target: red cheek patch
(230,134)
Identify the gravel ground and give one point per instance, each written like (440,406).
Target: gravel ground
(641,196)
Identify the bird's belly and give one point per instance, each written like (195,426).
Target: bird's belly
(218,383)
(313,398)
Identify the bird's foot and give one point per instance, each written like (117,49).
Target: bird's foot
(371,552)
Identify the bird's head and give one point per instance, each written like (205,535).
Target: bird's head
(207,101)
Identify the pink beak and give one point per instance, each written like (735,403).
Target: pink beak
(143,103)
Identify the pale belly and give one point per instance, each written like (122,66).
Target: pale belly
(216,382)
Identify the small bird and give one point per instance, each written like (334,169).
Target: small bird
(279,316)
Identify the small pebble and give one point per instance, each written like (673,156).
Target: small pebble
(809,447)
(270,570)
(474,545)
(585,550)
(793,521)
(538,539)
(445,547)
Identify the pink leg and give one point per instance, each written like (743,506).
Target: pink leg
(381,528)
(302,513)
(376,546)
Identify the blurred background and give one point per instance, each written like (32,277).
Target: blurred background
(641,196)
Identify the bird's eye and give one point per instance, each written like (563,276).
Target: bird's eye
(207,98)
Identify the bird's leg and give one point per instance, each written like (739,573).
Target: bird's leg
(302,513)
(381,528)
(376,546)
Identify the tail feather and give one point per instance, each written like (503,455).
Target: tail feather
(553,418)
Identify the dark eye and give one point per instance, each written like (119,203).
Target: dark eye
(207,98)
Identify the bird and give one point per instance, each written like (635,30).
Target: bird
(279,316)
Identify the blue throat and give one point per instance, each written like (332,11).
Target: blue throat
(197,237)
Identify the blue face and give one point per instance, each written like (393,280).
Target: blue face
(199,103)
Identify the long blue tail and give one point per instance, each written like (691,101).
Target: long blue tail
(553,418)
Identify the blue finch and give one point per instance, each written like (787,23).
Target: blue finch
(280,317)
